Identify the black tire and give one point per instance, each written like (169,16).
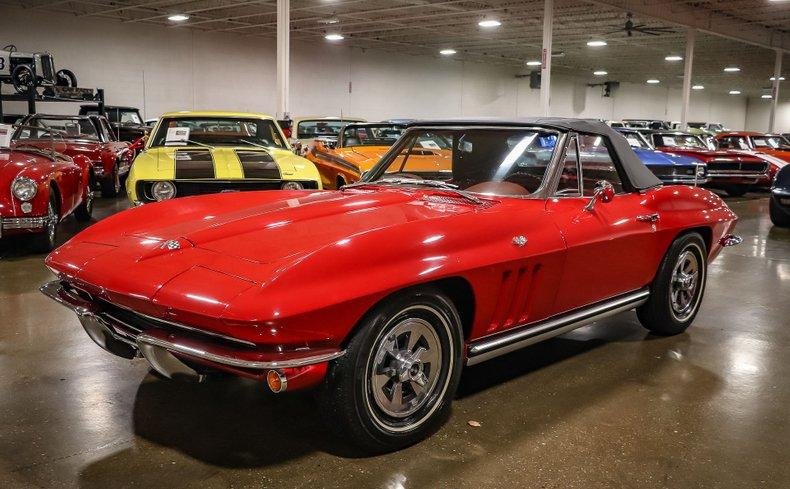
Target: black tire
(779,217)
(662,314)
(84,212)
(355,396)
(65,78)
(46,241)
(111,184)
(23,79)
(736,190)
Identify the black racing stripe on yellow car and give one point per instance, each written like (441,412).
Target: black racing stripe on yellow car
(338,161)
(194,163)
(258,164)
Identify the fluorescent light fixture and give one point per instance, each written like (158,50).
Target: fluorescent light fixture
(673,57)
(489,23)
(533,63)
(334,37)
(447,52)
(596,44)
(600,73)
(178,17)
(698,87)
(766,95)
(653,81)
(732,69)
(735,92)
(781,78)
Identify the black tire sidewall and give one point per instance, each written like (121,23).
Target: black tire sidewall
(350,373)
(778,216)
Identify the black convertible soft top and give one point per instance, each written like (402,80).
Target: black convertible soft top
(637,173)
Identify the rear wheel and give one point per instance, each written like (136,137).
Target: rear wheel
(400,372)
(677,290)
(84,212)
(778,216)
(45,242)
(111,185)
(65,78)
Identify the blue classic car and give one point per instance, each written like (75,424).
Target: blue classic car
(669,168)
(779,206)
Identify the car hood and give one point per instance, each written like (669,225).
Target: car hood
(363,157)
(707,155)
(655,157)
(71,148)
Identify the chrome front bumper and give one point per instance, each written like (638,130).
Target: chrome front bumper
(8,223)
(164,350)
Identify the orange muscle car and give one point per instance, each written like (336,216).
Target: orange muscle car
(360,146)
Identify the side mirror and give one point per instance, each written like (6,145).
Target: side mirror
(603,192)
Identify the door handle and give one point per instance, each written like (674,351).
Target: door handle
(648,218)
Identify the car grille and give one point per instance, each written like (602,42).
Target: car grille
(48,67)
(187,188)
(737,166)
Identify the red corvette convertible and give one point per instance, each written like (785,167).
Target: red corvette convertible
(89,136)
(381,292)
(40,188)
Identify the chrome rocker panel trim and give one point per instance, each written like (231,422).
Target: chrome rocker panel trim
(529,334)
(159,352)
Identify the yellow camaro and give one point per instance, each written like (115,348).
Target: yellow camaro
(193,153)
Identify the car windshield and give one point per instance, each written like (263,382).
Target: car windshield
(371,135)
(636,140)
(769,142)
(66,128)
(125,116)
(680,141)
(316,128)
(217,131)
(499,161)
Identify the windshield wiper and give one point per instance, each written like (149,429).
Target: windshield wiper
(425,183)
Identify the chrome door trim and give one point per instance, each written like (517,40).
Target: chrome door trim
(531,333)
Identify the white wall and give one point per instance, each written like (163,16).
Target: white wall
(759,110)
(160,69)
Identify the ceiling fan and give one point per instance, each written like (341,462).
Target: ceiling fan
(630,28)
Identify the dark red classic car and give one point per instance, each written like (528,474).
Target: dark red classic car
(732,171)
(40,188)
(381,292)
(89,136)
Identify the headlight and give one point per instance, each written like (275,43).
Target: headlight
(292,186)
(24,188)
(702,170)
(163,190)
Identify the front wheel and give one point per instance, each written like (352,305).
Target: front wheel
(400,372)
(677,289)
(84,211)
(45,242)
(111,185)
(779,217)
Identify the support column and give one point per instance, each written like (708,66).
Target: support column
(775,89)
(688,63)
(283,57)
(545,57)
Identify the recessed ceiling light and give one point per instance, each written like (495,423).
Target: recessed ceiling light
(178,17)
(698,87)
(673,57)
(653,81)
(781,78)
(533,63)
(735,92)
(596,44)
(600,73)
(489,23)
(334,37)
(732,69)
(447,52)
(766,95)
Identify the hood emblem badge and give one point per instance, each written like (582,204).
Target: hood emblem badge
(519,241)
(171,244)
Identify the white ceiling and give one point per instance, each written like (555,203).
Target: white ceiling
(426,26)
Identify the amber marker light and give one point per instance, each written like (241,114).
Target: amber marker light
(276,381)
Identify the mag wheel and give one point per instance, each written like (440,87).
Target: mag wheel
(677,290)
(396,382)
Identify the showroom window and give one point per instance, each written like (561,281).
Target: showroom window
(597,164)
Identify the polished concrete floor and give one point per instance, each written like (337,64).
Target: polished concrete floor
(605,406)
